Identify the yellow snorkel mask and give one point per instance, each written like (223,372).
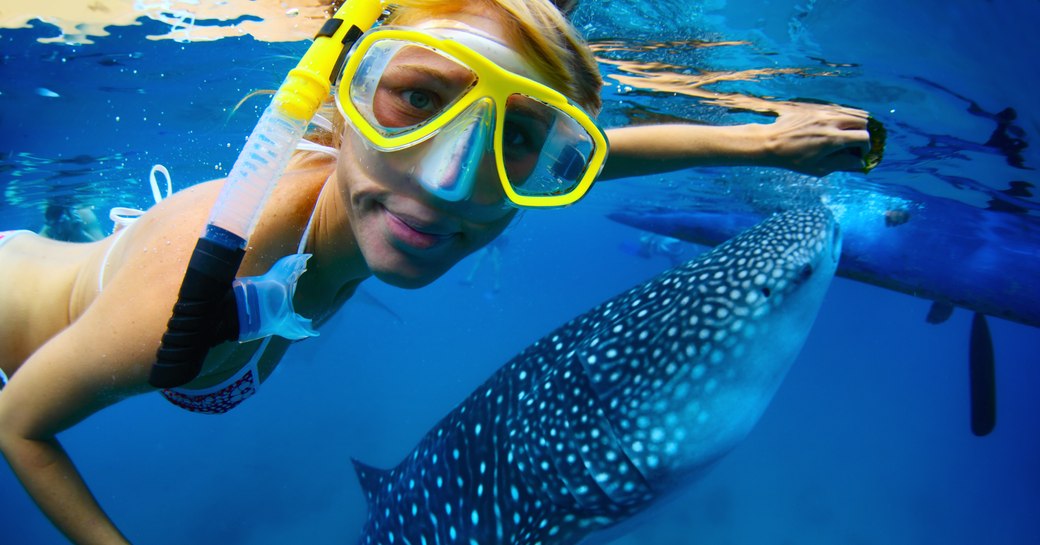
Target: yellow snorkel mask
(402,87)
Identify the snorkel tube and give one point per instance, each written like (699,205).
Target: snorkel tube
(207,286)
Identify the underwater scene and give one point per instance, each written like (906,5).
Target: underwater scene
(872,436)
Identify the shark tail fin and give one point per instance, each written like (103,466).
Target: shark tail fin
(372,480)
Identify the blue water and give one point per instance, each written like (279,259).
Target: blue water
(868,440)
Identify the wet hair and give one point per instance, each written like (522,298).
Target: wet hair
(543,36)
(537,28)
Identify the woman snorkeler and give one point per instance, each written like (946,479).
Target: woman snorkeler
(407,194)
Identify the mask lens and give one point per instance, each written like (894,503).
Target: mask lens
(400,86)
(546,152)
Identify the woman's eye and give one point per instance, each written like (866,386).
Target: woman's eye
(522,137)
(422,100)
(515,136)
(405,107)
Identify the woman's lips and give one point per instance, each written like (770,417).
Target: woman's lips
(408,232)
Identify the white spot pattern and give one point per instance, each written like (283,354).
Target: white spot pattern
(575,433)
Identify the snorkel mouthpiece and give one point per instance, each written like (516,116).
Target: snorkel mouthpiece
(449,168)
(265,304)
(221,247)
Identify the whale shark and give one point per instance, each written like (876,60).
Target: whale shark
(955,257)
(619,408)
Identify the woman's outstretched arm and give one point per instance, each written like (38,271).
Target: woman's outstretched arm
(814,140)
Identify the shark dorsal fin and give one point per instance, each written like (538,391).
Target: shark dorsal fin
(372,479)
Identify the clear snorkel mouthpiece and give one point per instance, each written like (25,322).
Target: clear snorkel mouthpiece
(450,166)
(265,304)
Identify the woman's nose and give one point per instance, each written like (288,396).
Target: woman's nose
(455,159)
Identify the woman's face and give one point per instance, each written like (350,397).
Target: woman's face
(409,237)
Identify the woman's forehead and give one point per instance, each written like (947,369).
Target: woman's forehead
(485,36)
(485,21)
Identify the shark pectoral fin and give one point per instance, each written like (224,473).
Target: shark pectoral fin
(939,312)
(372,480)
(983,378)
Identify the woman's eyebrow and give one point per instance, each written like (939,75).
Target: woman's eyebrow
(535,114)
(440,75)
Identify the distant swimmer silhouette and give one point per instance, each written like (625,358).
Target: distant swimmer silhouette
(71,223)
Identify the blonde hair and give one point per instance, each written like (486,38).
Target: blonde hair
(543,36)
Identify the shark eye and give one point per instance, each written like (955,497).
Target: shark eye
(805,273)
(766,292)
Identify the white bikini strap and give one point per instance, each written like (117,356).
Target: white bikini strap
(307,145)
(307,231)
(104,260)
(123,216)
(322,123)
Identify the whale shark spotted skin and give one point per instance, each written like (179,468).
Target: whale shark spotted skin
(619,407)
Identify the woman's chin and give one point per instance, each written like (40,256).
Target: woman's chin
(403,267)
(405,276)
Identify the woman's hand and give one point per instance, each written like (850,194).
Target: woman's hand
(816,139)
